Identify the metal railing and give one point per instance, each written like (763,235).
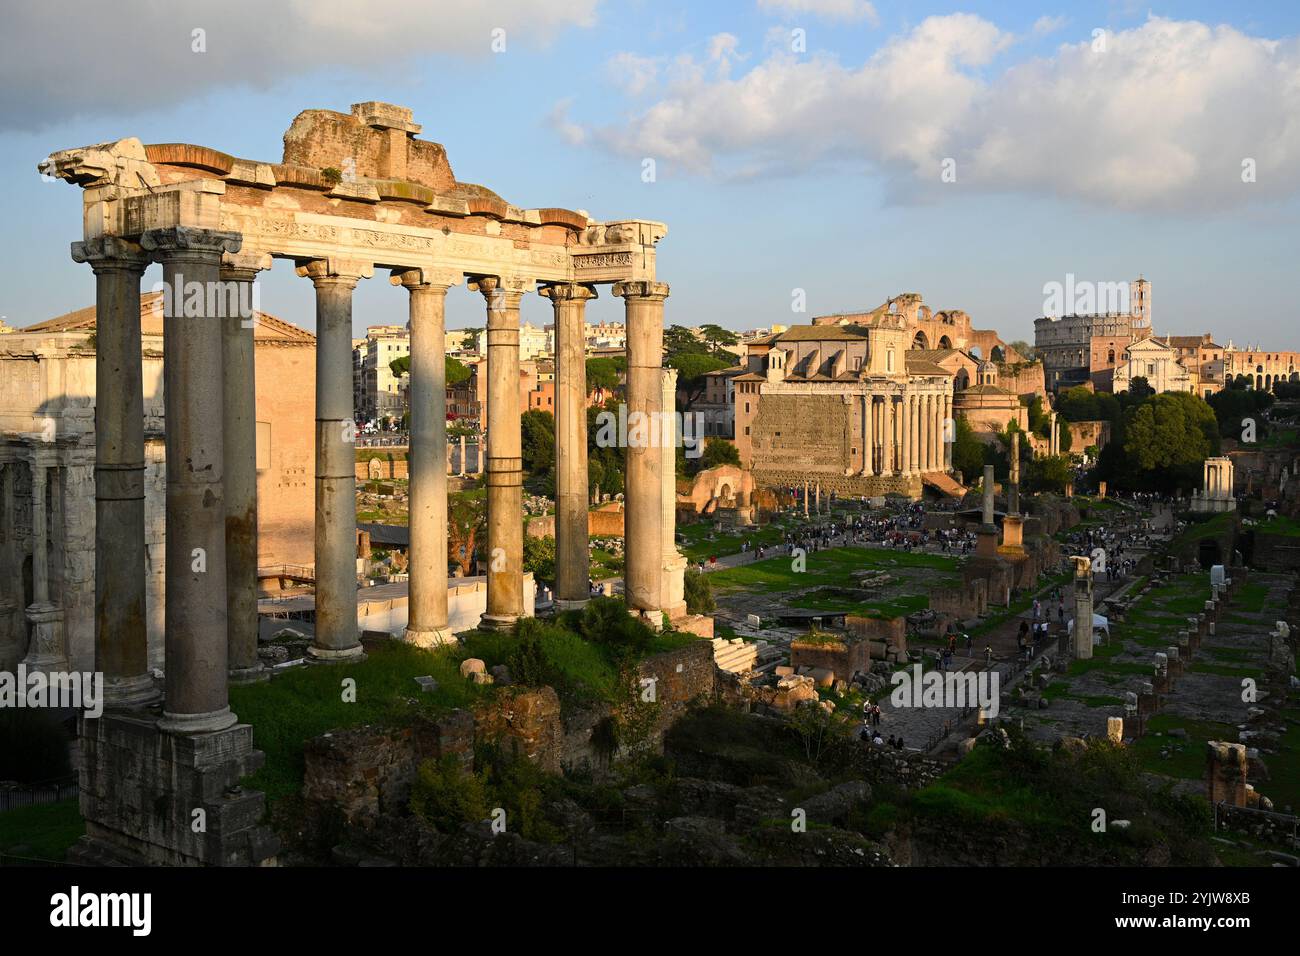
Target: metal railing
(39,793)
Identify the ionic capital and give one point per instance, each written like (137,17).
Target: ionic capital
(109,254)
(335,271)
(188,242)
(559,292)
(641,289)
(422,278)
(244,266)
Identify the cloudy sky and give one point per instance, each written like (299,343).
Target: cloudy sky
(850,149)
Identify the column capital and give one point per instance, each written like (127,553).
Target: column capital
(109,253)
(244,266)
(501,292)
(559,292)
(188,242)
(640,289)
(335,271)
(422,278)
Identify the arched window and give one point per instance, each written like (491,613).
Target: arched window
(889,360)
(1110,357)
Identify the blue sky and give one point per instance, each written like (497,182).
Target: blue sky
(777,169)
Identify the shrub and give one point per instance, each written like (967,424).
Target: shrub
(699,593)
(445,795)
(606,621)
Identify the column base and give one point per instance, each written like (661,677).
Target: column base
(497,622)
(433,637)
(329,655)
(652,617)
(190,724)
(250,675)
(571,604)
(130,693)
(46,652)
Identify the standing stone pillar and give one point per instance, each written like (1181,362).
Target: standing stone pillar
(505,489)
(1082,608)
(46,652)
(868,452)
(1013,492)
(936,424)
(949,432)
(909,433)
(121,631)
(239,406)
(887,436)
(644,309)
(13,627)
(426,623)
(673,574)
(1054,440)
(197,647)
(818,499)
(572,557)
(988,497)
(464,469)
(927,432)
(337,637)
(805,497)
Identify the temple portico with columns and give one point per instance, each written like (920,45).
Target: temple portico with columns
(355,194)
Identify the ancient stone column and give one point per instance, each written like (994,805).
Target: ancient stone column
(868,453)
(673,572)
(644,309)
(1013,492)
(121,633)
(949,432)
(1082,608)
(887,435)
(936,422)
(337,637)
(197,647)
(46,651)
(427,591)
(239,404)
(464,469)
(988,496)
(927,432)
(505,491)
(1054,444)
(572,559)
(805,497)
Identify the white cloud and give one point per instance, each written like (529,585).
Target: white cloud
(127,56)
(1162,119)
(845,10)
(633,73)
(1045,25)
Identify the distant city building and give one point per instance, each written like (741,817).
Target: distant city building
(379,390)
(1263,369)
(1156,362)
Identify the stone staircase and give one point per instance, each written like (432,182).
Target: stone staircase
(735,656)
(943,483)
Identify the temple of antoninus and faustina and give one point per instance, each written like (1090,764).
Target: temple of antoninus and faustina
(353,195)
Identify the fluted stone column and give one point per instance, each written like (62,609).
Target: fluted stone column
(337,637)
(428,453)
(239,402)
(868,451)
(121,631)
(644,309)
(13,627)
(936,433)
(505,490)
(572,558)
(905,433)
(914,413)
(197,647)
(887,435)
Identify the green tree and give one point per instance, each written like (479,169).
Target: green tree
(1048,473)
(457,371)
(967,451)
(602,373)
(679,340)
(698,592)
(537,437)
(692,369)
(1164,440)
(539,558)
(717,452)
(466,525)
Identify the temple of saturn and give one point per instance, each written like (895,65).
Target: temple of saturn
(355,193)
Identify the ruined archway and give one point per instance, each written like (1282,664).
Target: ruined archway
(919,341)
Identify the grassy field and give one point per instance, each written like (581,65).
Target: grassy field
(43,832)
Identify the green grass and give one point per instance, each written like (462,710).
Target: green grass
(1187,761)
(1279,525)
(305,702)
(831,568)
(43,832)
